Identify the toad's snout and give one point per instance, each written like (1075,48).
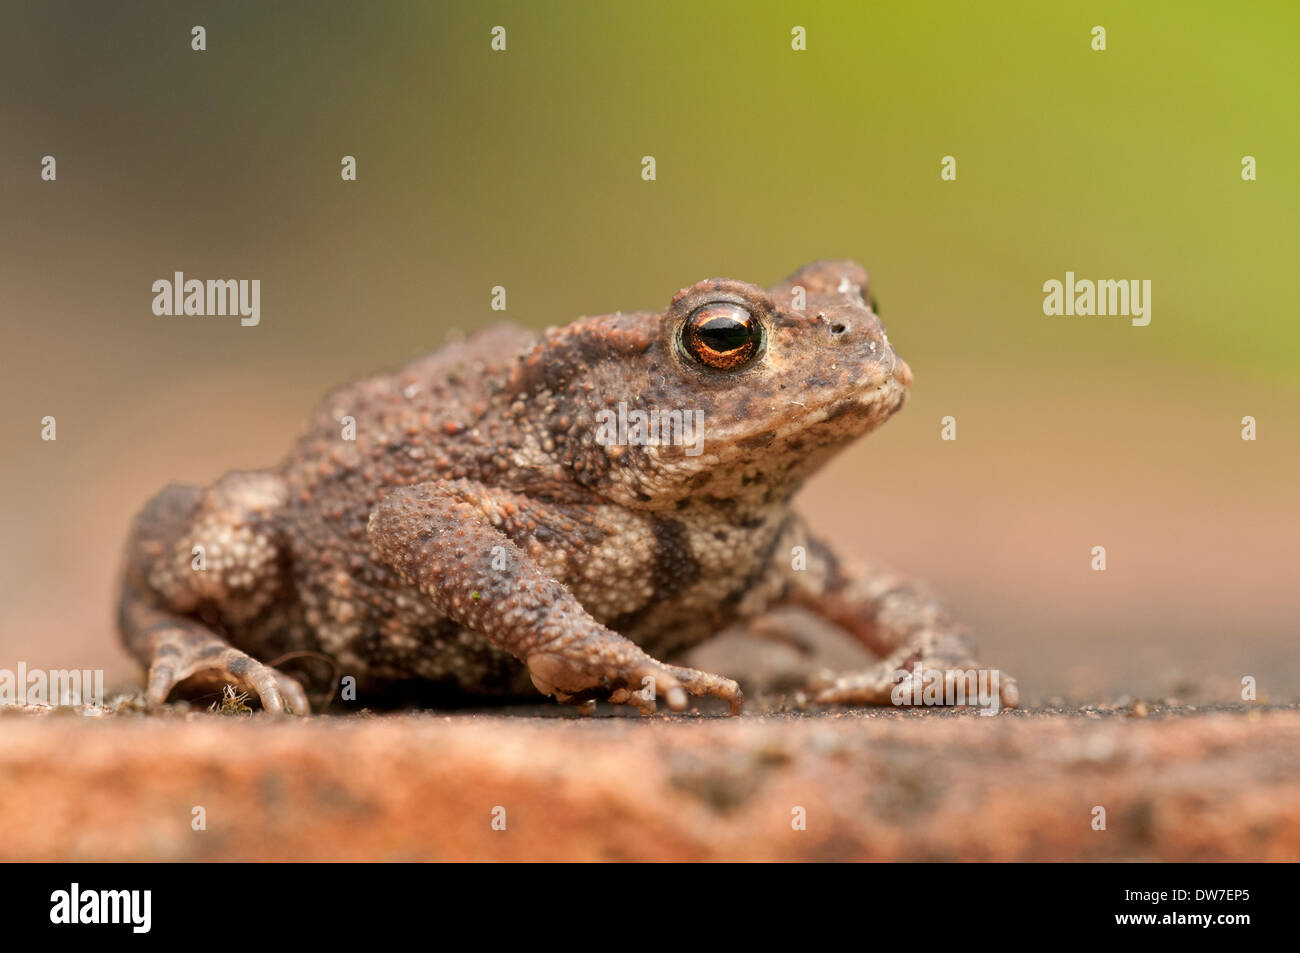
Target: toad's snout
(858,328)
(902,372)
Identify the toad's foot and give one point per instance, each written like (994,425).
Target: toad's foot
(907,678)
(187,653)
(638,684)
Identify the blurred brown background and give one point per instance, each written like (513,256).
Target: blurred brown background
(523,169)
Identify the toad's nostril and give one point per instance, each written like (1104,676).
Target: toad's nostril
(838,328)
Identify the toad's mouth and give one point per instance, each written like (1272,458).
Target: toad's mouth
(862,411)
(877,397)
(836,421)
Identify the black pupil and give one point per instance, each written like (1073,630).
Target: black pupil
(724,334)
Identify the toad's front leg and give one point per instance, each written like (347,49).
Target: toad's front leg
(894,619)
(453,541)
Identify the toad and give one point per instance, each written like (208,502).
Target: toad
(574,510)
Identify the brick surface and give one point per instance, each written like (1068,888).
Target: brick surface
(1176,785)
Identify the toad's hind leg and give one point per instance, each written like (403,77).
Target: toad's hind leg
(196,555)
(179,650)
(897,621)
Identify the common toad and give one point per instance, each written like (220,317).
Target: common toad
(508,508)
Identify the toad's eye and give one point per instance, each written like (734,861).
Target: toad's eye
(722,336)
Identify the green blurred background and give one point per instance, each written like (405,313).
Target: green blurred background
(523,168)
